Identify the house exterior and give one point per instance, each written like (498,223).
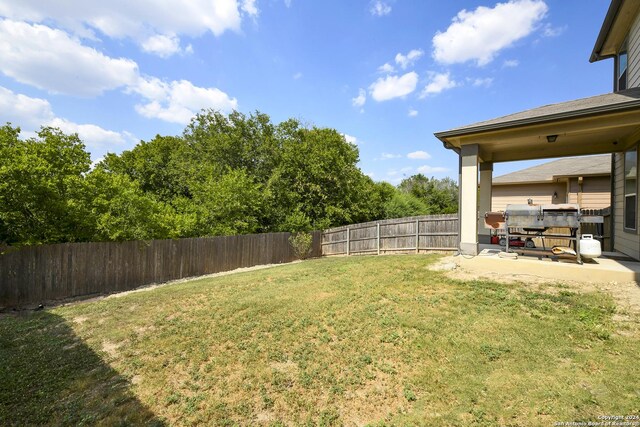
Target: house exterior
(584,180)
(603,124)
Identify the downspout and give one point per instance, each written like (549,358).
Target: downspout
(612,228)
(459,199)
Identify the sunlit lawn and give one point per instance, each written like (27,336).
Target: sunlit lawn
(353,341)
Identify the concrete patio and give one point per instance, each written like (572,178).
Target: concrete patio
(611,267)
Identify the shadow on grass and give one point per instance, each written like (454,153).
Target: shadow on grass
(49,376)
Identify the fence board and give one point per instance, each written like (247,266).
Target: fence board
(38,274)
(429,232)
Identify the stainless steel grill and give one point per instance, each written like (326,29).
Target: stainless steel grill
(543,216)
(533,220)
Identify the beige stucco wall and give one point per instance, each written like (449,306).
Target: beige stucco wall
(626,242)
(504,195)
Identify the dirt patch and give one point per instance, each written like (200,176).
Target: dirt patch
(110,348)
(80,319)
(627,295)
(206,276)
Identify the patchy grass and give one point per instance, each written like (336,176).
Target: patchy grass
(340,341)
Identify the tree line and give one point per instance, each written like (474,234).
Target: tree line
(226,174)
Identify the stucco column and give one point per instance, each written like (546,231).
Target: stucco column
(486,178)
(469,199)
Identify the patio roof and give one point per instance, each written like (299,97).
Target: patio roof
(595,125)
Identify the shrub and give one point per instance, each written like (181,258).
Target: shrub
(301,243)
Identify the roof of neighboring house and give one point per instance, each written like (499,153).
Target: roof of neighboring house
(609,102)
(570,166)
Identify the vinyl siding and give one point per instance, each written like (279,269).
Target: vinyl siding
(633,51)
(627,243)
(596,192)
(503,195)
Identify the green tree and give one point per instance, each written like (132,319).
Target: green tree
(403,204)
(439,195)
(228,205)
(234,142)
(161,166)
(37,179)
(116,208)
(317,183)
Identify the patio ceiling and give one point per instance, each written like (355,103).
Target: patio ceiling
(597,125)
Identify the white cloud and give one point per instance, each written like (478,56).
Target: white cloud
(551,31)
(511,63)
(163,46)
(412,112)
(438,82)
(391,87)
(482,82)
(380,8)
(296,76)
(388,156)
(93,136)
(431,169)
(409,59)
(406,169)
(351,139)
(386,68)
(420,155)
(178,101)
(24,111)
(360,100)
(50,59)
(287,3)
(31,113)
(138,19)
(249,7)
(480,35)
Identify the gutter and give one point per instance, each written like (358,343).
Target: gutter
(609,19)
(449,146)
(611,108)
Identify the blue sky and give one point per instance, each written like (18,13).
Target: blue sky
(386,73)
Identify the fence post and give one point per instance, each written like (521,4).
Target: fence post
(417,235)
(348,244)
(378,237)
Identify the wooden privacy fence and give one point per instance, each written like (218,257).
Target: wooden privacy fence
(34,275)
(413,234)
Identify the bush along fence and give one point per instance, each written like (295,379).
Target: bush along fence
(40,274)
(408,235)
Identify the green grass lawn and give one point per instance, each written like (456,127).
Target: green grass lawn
(339,341)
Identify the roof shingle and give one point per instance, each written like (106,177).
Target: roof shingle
(570,166)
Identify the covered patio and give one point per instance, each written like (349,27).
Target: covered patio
(601,124)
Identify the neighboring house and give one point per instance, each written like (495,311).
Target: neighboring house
(608,123)
(584,180)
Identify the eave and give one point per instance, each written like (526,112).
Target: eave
(615,27)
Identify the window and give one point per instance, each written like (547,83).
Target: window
(630,188)
(621,66)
